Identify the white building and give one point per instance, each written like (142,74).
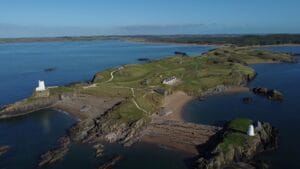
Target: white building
(41,86)
(250,131)
(170,81)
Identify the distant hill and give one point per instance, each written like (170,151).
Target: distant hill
(239,40)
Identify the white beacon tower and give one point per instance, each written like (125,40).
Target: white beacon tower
(41,86)
(251,130)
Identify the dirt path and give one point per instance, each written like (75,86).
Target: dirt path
(111,76)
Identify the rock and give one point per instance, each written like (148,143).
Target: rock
(213,91)
(275,95)
(180,53)
(56,154)
(146,82)
(260,90)
(144,59)
(51,69)
(109,164)
(271,94)
(26,106)
(227,152)
(99,149)
(4,150)
(247,100)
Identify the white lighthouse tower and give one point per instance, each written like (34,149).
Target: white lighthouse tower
(250,131)
(41,86)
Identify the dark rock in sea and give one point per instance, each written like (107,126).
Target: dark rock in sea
(99,149)
(271,94)
(233,148)
(56,154)
(180,53)
(144,59)
(294,54)
(110,164)
(247,100)
(4,150)
(275,95)
(51,69)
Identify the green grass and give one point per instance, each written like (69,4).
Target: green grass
(128,113)
(62,89)
(232,140)
(240,124)
(236,136)
(223,66)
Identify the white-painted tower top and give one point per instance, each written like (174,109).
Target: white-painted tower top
(251,131)
(41,86)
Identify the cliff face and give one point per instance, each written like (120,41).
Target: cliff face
(234,147)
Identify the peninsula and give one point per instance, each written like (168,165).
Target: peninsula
(138,102)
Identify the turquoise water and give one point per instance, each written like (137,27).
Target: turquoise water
(284,116)
(23,64)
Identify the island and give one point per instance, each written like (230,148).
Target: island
(143,102)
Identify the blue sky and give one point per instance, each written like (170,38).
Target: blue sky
(22,18)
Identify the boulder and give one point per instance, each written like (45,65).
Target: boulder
(4,150)
(275,95)
(271,94)
(247,100)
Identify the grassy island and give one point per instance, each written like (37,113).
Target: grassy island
(142,84)
(127,104)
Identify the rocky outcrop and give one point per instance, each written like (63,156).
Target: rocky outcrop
(57,153)
(214,91)
(247,100)
(26,106)
(271,94)
(109,164)
(178,134)
(4,150)
(233,148)
(99,149)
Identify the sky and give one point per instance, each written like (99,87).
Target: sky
(36,18)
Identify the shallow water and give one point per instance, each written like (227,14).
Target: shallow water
(23,64)
(283,115)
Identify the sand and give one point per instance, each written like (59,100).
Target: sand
(178,100)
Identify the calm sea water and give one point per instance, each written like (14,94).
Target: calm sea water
(284,116)
(23,64)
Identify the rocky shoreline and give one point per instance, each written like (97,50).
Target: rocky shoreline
(97,125)
(56,154)
(221,153)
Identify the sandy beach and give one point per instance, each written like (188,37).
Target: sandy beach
(176,101)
